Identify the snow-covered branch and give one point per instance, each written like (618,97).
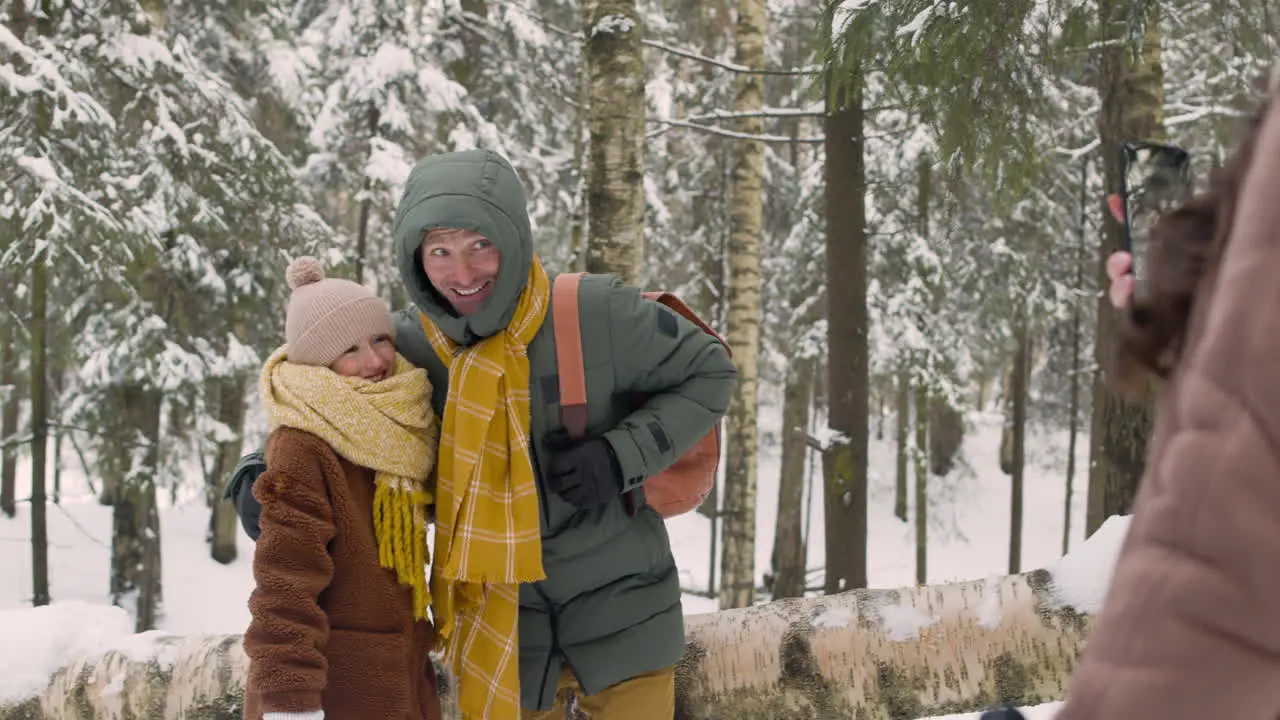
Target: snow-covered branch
(672,123)
(815,111)
(540,18)
(656,44)
(765,113)
(1080,152)
(15,441)
(1190,114)
(732,67)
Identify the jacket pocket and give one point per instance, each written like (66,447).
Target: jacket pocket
(370,676)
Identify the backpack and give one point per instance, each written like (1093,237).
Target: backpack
(681,487)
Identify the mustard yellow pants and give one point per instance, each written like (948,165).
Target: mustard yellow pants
(651,696)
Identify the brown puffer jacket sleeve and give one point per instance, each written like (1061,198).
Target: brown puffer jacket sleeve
(1191,625)
(286,638)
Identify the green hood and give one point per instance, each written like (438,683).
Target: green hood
(469,190)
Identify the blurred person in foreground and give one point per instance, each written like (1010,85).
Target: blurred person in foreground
(1191,624)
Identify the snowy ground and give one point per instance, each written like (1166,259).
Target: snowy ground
(969,539)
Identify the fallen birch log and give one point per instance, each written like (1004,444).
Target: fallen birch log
(866,654)
(883,654)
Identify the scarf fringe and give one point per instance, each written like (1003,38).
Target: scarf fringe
(399,517)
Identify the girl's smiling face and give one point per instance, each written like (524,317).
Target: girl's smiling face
(372,359)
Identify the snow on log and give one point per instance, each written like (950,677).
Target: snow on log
(892,654)
(870,654)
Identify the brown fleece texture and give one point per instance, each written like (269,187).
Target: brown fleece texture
(331,628)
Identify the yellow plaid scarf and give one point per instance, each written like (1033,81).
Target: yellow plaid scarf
(488,538)
(387,426)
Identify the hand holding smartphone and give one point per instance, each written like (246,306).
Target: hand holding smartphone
(1155,178)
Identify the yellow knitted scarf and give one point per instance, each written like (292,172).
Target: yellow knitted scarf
(488,539)
(387,426)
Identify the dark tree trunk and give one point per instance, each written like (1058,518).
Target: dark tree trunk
(845,462)
(788,542)
(1131,83)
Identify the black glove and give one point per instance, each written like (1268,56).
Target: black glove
(585,473)
(240,492)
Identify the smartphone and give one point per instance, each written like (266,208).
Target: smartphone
(1155,178)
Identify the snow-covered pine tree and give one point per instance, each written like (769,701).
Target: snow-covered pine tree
(150,197)
(375,97)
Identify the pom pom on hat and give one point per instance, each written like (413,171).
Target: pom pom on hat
(304,271)
(327,316)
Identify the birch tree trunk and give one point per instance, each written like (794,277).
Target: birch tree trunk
(746,224)
(615,177)
(882,654)
(866,654)
(1132,92)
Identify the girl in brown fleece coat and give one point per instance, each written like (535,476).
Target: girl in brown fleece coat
(1191,626)
(339,627)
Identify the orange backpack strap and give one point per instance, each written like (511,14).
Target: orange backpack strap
(573,380)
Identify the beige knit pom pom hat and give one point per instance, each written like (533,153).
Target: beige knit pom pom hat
(327,316)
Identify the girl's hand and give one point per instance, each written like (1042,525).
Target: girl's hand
(1120,271)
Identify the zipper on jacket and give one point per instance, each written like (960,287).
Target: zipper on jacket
(555,644)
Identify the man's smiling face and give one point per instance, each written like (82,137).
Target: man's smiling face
(462,266)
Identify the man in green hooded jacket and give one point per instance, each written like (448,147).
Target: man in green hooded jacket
(606,622)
